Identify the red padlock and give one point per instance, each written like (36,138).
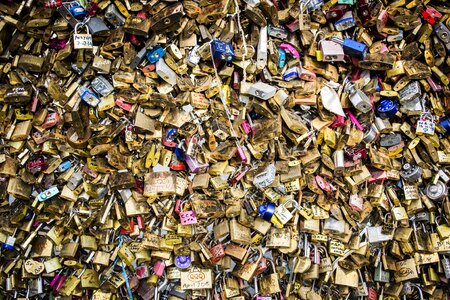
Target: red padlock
(427,16)
(372,294)
(120,102)
(142,272)
(139,186)
(51,120)
(125,231)
(218,253)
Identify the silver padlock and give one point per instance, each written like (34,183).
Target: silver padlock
(436,191)
(383,125)
(102,86)
(446,266)
(375,235)
(331,51)
(423,216)
(411,173)
(338,159)
(381,275)
(370,134)
(113,16)
(334,226)
(97,26)
(359,99)
(410,92)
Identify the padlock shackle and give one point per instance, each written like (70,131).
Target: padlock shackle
(296,206)
(82,25)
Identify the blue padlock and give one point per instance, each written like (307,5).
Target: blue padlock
(64,166)
(223,51)
(445,123)
(78,12)
(155,54)
(354,49)
(291,74)
(47,194)
(29,215)
(267,210)
(281,58)
(387,109)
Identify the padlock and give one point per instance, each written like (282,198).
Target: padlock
(221,50)
(345,22)
(283,214)
(387,109)
(267,210)
(331,51)
(187,217)
(82,40)
(411,173)
(88,96)
(158,268)
(425,124)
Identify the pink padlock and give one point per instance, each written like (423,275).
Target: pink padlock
(195,166)
(323,184)
(238,177)
(338,122)
(290,49)
(34,104)
(306,75)
(241,153)
(187,217)
(120,102)
(158,268)
(246,127)
(177,206)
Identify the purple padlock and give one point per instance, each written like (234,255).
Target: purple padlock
(195,166)
(183,261)
(58,44)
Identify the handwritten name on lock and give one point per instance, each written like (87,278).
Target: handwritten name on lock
(82,40)
(195,279)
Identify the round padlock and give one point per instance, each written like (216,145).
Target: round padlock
(183,261)
(436,191)
(411,173)
(370,134)
(387,109)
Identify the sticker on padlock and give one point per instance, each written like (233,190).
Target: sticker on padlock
(425,124)
(82,40)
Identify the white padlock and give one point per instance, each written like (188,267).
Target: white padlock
(425,124)
(262,90)
(82,40)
